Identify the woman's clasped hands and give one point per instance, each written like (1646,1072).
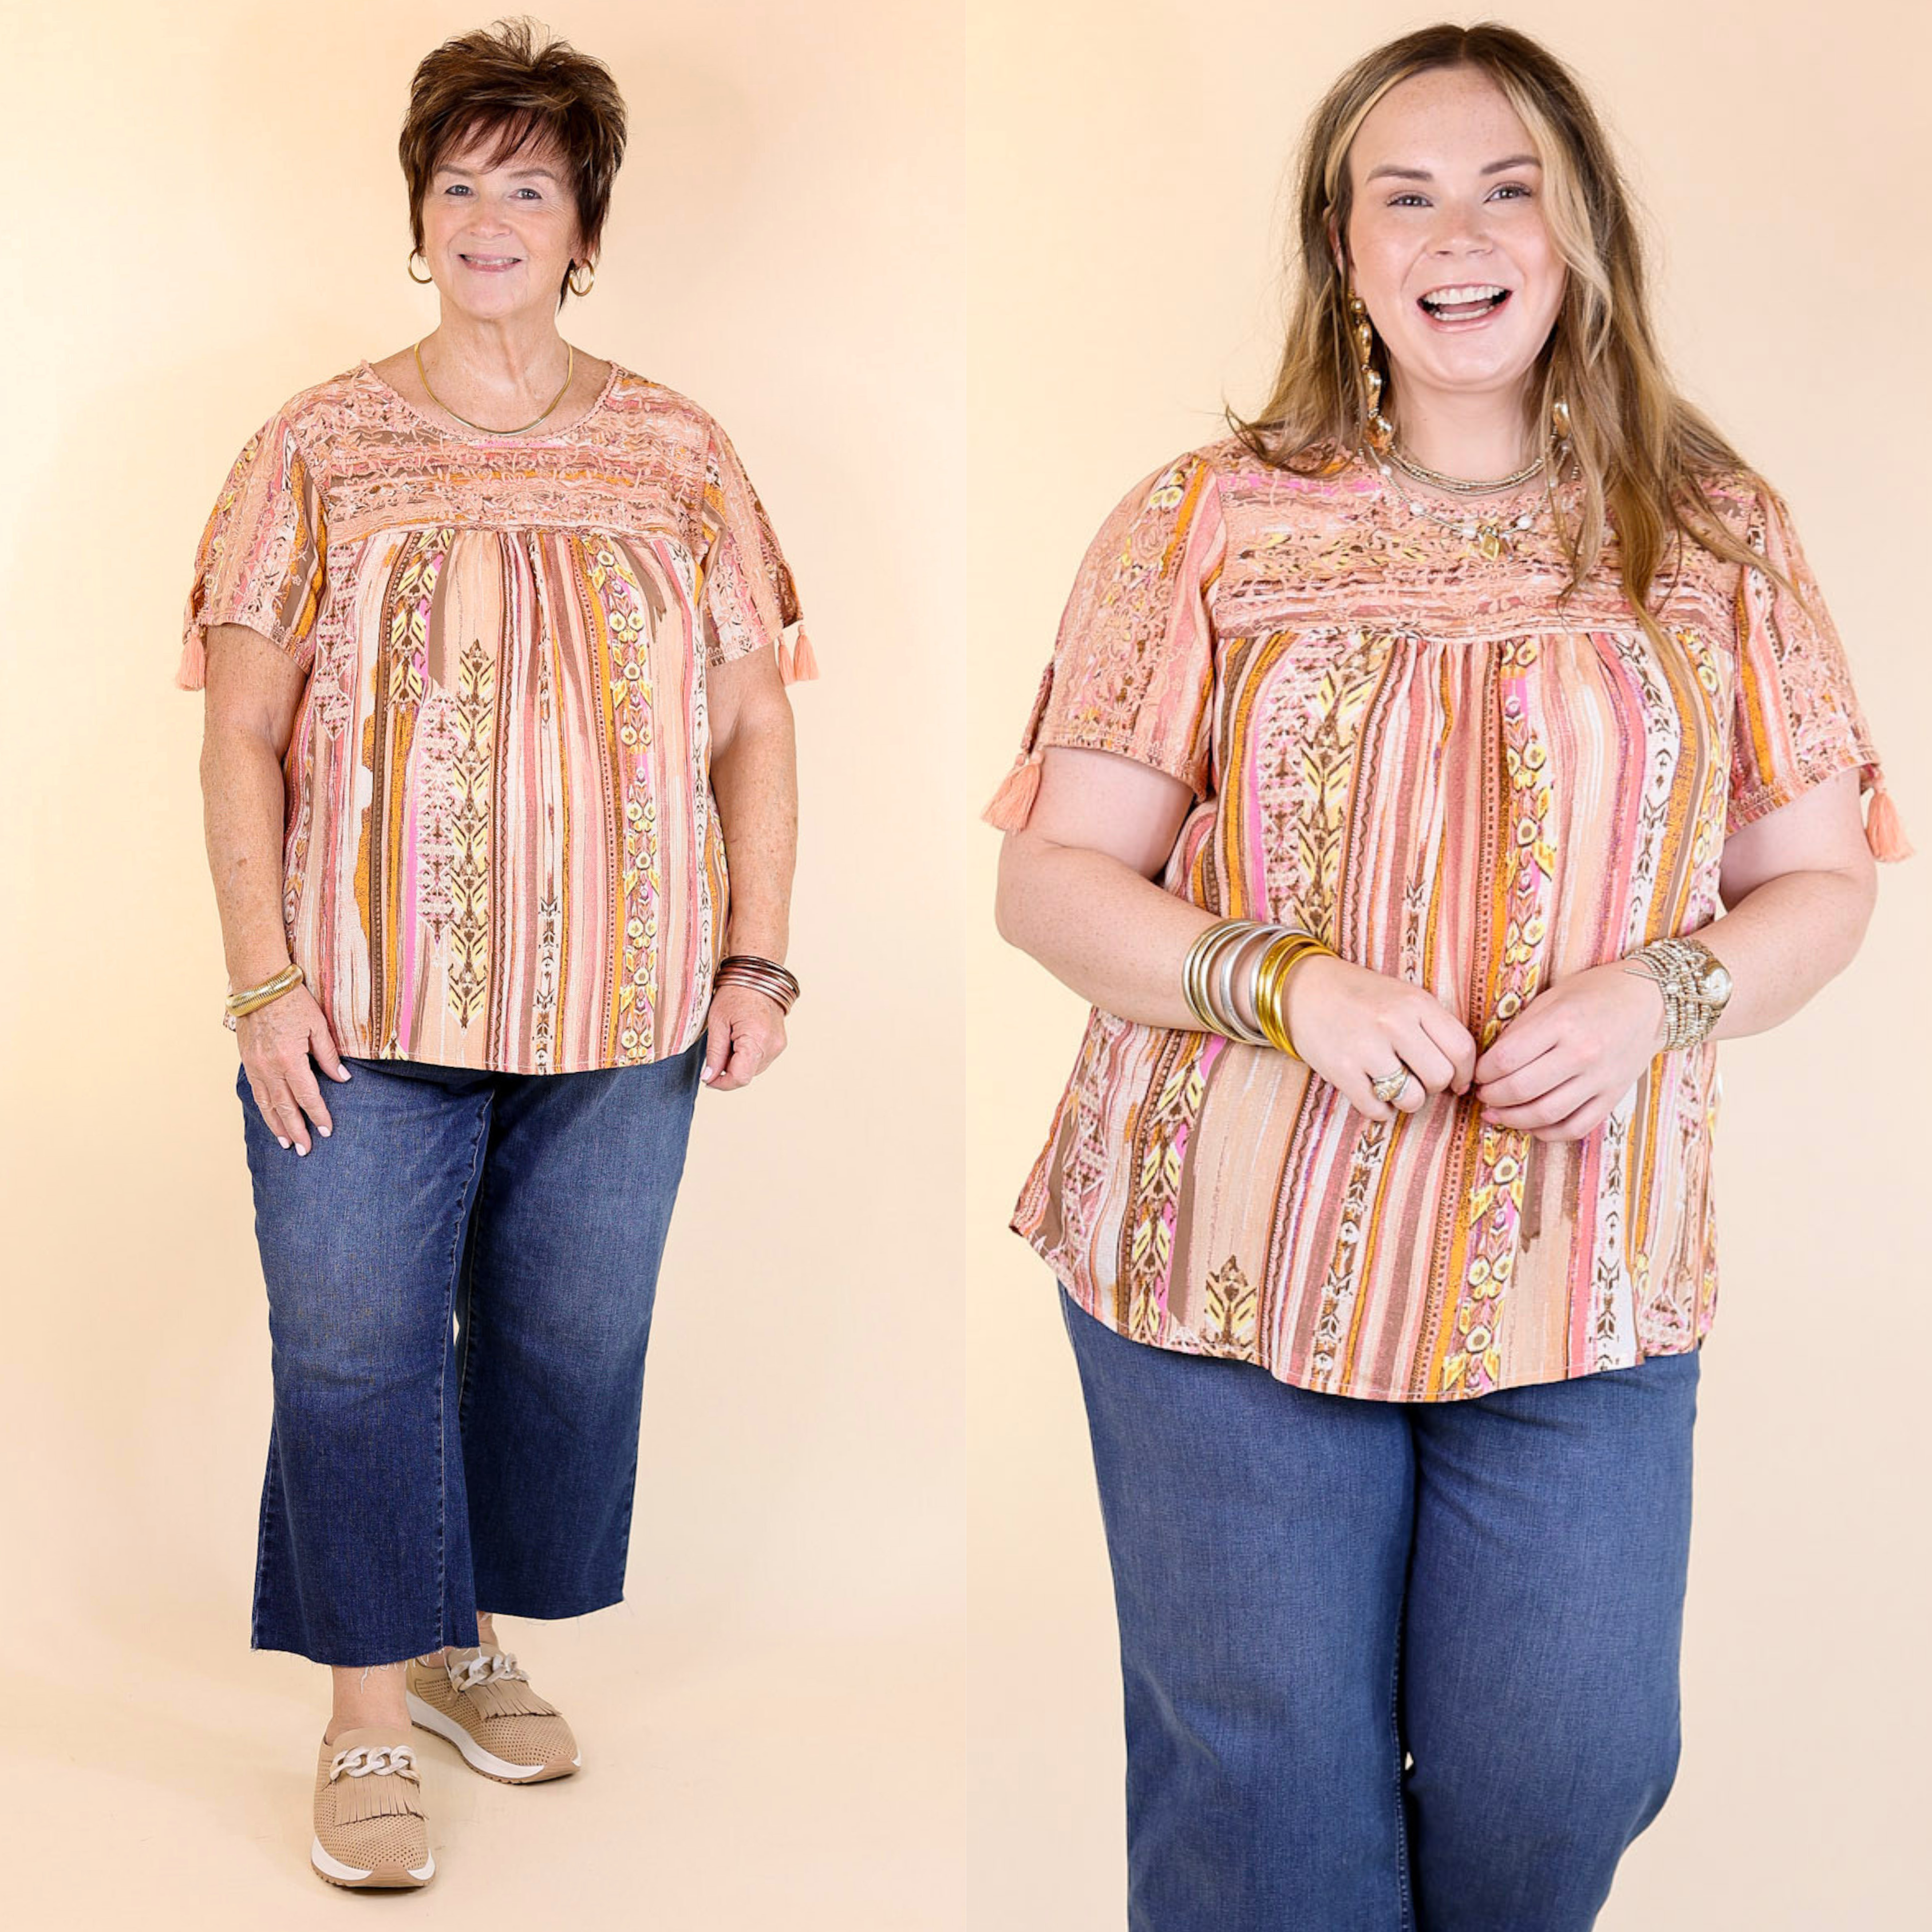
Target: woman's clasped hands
(1555,1070)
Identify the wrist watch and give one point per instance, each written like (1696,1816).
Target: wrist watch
(1695,984)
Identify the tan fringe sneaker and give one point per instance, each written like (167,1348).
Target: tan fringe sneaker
(486,1708)
(369,1830)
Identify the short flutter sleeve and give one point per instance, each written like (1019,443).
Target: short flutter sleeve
(1797,720)
(263,554)
(749,601)
(1132,669)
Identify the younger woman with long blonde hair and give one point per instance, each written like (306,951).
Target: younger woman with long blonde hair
(1427,777)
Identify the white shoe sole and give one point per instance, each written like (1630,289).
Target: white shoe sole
(343,1874)
(474,1755)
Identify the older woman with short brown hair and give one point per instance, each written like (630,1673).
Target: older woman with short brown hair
(494,637)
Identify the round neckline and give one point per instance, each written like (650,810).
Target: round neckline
(511,439)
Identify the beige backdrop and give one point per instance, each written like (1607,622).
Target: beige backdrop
(1126,163)
(209,215)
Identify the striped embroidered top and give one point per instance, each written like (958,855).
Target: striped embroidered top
(501,849)
(1421,755)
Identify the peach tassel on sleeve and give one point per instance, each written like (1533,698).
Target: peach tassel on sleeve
(798,663)
(1011,805)
(1885,834)
(191,673)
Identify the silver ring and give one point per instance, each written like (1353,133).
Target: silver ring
(1390,1084)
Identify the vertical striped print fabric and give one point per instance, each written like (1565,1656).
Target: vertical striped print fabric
(1460,777)
(502,849)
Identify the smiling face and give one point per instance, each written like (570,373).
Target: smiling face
(499,239)
(1448,245)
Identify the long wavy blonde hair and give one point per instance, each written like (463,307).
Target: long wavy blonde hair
(1645,453)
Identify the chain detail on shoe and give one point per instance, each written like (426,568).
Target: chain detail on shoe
(493,1666)
(385,1761)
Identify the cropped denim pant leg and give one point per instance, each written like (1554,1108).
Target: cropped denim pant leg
(1313,1589)
(460,1282)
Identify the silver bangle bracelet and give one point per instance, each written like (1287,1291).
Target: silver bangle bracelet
(1227,963)
(1208,974)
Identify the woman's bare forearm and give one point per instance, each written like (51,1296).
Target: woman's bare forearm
(1078,892)
(1115,937)
(755,778)
(253,690)
(1784,940)
(242,808)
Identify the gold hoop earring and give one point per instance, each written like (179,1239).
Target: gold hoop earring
(422,281)
(570,280)
(1559,420)
(1376,427)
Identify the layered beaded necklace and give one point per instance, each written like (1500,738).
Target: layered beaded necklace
(1491,536)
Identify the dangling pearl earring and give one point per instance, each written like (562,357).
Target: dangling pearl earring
(1377,428)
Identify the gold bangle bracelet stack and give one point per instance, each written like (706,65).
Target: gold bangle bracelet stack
(250,997)
(762,976)
(1268,955)
(1270,992)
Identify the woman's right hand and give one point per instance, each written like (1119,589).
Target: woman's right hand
(1351,1026)
(277,1041)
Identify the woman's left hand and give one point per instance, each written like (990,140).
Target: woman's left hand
(1572,1053)
(746,1032)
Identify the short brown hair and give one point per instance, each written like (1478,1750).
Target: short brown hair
(515,81)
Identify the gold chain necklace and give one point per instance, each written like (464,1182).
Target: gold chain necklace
(1462,486)
(422,376)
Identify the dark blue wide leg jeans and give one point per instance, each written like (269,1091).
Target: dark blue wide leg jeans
(1314,1589)
(461,1281)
